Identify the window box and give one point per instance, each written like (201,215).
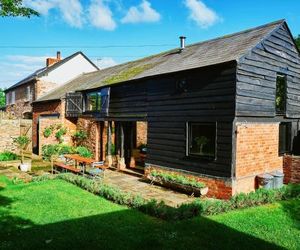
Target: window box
(186,186)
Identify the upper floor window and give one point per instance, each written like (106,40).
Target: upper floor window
(280,94)
(98,101)
(28,93)
(92,100)
(10,98)
(201,140)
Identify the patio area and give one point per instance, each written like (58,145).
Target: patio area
(136,185)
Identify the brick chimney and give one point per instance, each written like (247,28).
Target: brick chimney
(51,61)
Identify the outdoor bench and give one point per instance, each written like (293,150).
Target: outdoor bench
(67,167)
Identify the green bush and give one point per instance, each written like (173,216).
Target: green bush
(84,152)
(112,148)
(56,149)
(8,156)
(79,136)
(60,133)
(185,211)
(47,132)
(177,178)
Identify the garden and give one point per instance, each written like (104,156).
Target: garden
(55,213)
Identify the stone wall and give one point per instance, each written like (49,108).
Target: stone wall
(220,188)
(291,169)
(22,103)
(256,153)
(10,129)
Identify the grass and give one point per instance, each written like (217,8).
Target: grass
(58,215)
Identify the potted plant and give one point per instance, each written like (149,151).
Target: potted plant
(21,142)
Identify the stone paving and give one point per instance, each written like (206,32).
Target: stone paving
(136,185)
(13,173)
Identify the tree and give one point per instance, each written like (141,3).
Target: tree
(22,142)
(15,8)
(2,98)
(297,40)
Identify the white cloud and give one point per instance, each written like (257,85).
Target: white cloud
(141,13)
(71,10)
(26,59)
(105,62)
(100,15)
(201,14)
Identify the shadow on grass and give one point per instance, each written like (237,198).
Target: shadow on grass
(126,229)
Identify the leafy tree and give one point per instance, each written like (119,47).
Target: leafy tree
(15,8)
(297,40)
(2,98)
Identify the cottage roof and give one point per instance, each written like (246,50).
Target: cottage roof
(219,50)
(45,70)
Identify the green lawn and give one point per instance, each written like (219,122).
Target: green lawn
(57,215)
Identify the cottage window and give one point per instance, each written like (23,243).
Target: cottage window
(201,140)
(280,94)
(13,97)
(92,101)
(284,138)
(28,93)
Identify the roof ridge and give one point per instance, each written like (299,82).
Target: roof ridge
(202,42)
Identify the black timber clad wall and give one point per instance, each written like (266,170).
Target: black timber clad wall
(209,97)
(256,77)
(128,101)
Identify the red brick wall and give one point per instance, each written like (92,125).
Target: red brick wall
(217,187)
(291,169)
(256,153)
(92,128)
(141,133)
(48,108)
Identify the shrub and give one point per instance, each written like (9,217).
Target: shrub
(47,132)
(60,133)
(79,136)
(56,149)
(185,211)
(84,152)
(112,148)
(8,156)
(177,178)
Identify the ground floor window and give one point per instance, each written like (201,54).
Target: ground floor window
(201,140)
(284,137)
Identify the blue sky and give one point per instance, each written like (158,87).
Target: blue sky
(115,31)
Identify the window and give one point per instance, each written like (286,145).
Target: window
(284,137)
(98,101)
(280,94)
(13,97)
(28,93)
(91,101)
(201,140)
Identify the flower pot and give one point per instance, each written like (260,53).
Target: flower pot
(24,167)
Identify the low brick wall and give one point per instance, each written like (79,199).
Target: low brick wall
(220,188)
(291,169)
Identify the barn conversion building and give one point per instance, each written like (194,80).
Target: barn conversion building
(223,110)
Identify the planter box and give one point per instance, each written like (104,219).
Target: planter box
(197,192)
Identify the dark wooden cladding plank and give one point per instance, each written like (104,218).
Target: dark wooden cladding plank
(173,137)
(253,94)
(282,42)
(197,118)
(167,142)
(192,113)
(256,70)
(169,130)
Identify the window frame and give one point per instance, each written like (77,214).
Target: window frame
(97,102)
(284,76)
(188,139)
(12,97)
(288,138)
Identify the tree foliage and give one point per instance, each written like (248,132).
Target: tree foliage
(297,40)
(2,98)
(15,8)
